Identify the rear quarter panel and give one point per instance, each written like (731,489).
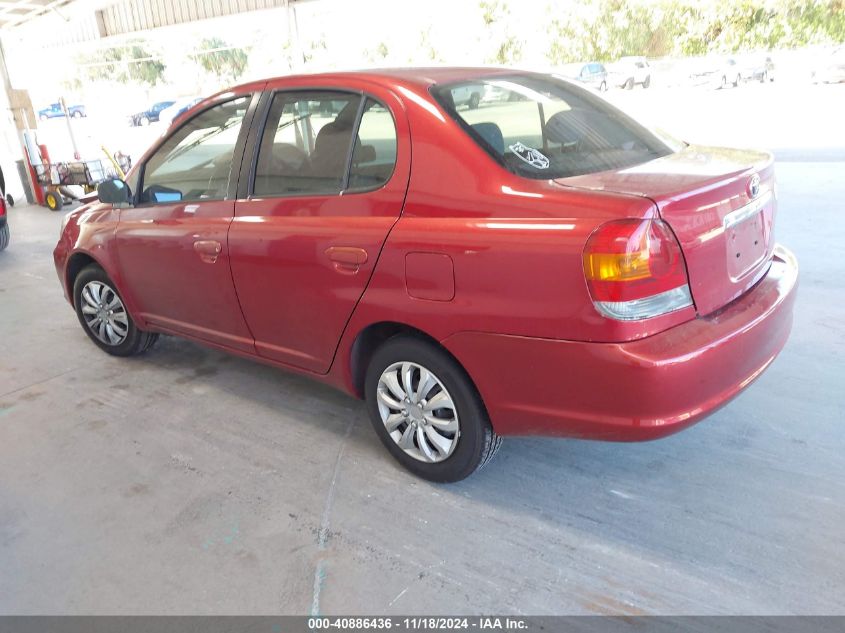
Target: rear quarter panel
(515,245)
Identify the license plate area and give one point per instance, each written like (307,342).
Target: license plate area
(747,244)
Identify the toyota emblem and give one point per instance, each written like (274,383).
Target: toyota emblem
(754,186)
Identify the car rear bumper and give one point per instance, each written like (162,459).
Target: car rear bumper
(637,390)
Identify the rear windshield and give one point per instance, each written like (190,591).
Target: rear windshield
(539,126)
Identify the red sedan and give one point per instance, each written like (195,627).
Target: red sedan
(537,264)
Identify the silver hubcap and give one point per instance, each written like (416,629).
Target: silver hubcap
(104,313)
(418,412)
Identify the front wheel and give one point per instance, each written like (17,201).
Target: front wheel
(647,82)
(103,316)
(603,87)
(474,100)
(427,412)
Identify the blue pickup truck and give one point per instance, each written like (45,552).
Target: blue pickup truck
(55,110)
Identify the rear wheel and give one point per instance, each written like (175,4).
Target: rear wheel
(5,235)
(603,87)
(474,100)
(426,411)
(629,83)
(144,121)
(53,200)
(104,317)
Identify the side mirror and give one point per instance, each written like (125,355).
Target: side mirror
(114,191)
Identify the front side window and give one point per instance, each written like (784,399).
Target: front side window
(306,143)
(542,127)
(195,162)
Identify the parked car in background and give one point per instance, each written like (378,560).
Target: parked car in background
(628,72)
(717,73)
(764,71)
(55,110)
(546,266)
(151,114)
(179,106)
(592,74)
(831,68)
(469,95)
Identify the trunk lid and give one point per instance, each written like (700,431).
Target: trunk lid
(720,203)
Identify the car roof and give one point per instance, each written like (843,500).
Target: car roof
(418,76)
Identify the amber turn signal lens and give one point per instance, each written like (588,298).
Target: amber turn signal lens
(616,267)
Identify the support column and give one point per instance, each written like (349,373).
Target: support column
(18,119)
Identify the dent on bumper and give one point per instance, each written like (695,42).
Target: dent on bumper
(638,390)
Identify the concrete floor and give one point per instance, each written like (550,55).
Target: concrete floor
(189,481)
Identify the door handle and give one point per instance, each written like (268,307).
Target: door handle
(208,250)
(347,259)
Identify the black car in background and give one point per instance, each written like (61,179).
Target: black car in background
(151,114)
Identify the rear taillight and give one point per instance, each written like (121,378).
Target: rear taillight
(2,207)
(635,270)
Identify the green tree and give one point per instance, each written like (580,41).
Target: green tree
(132,63)
(215,56)
(608,29)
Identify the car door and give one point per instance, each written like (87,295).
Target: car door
(172,244)
(313,215)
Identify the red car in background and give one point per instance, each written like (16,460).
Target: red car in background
(536,264)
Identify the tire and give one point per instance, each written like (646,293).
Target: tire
(629,83)
(53,200)
(724,83)
(77,114)
(130,343)
(474,443)
(603,87)
(10,200)
(737,79)
(474,100)
(647,81)
(144,121)
(5,236)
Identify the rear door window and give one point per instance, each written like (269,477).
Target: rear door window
(374,156)
(306,143)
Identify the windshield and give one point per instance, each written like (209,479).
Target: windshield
(540,126)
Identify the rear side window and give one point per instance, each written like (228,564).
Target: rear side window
(374,156)
(306,143)
(542,127)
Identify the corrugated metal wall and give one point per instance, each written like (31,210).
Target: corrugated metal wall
(82,23)
(138,15)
